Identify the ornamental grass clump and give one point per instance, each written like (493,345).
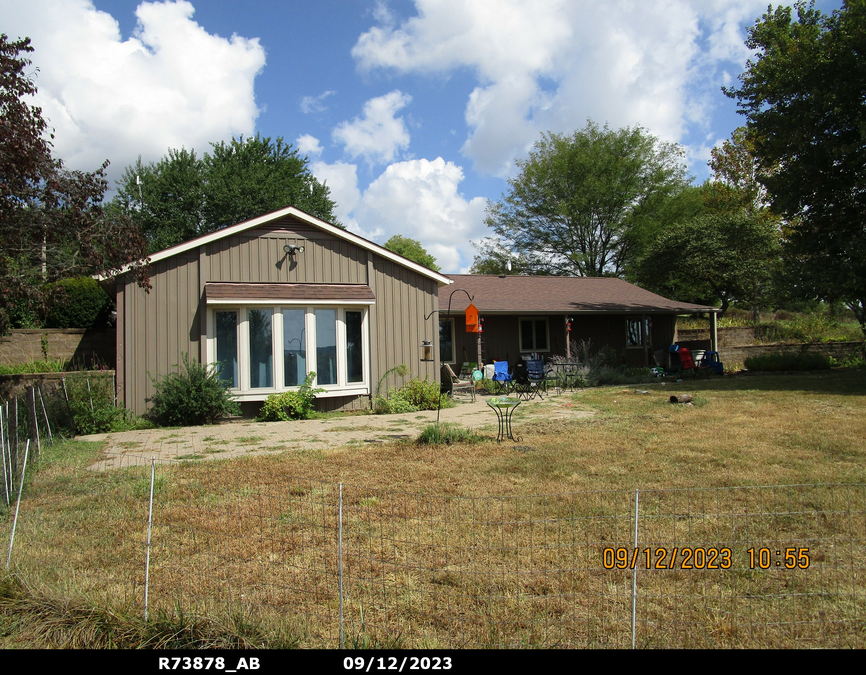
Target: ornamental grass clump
(447,434)
(191,397)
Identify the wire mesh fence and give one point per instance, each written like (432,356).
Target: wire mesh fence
(340,564)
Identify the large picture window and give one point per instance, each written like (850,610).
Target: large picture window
(260,350)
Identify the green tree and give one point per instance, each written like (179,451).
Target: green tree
(804,96)
(166,198)
(494,258)
(247,178)
(720,257)
(582,204)
(52,224)
(182,197)
(412,249)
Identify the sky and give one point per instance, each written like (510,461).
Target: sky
(415,113)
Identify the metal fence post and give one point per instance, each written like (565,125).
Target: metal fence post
(634,574)
(149,531)
(340,564)
(17,505)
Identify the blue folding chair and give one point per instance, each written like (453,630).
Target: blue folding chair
(502,378)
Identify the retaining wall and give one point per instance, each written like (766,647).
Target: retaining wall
(77,345)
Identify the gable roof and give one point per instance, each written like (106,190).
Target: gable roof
(515,294)
(306,218)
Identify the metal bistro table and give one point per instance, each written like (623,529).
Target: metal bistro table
(504,407)
(566,374)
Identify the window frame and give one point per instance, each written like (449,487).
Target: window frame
(342,387)
(644,329)
(533,319)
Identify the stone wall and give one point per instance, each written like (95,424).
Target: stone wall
(738,336)
(12,386)
(77,345)
(838,350)
(736,344)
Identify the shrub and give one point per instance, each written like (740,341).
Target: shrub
(92,406)
(290,405)
(776,362)
(77,303)
(415,395)
(193,396)
(447,434)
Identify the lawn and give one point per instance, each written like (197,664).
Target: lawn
(497,545)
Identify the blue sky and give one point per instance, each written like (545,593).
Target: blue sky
(414,112)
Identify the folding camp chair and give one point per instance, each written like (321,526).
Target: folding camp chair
(536,377)
(502,379)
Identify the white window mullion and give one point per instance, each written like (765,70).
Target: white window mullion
(243,349)
(277,338)
(341,347)
(312,364)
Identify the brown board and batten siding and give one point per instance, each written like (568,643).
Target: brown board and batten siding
(155,329)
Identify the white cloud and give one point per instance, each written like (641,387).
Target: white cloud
(171,84)
(548,66)
(378,135)
(308,145)
(342,179)
(419,199)
(315,104)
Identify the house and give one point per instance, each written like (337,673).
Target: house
(270,300)
(548,315)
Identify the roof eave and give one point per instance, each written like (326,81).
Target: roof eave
(440,279)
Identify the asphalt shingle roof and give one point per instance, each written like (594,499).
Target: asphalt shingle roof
(521,294)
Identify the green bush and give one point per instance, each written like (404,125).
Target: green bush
(415,395)
(77,303)
(447,434)
(290,405)
(853,362)
(92,405)
(193,396)
(776,362)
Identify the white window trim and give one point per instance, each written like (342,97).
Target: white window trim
(343,388)
(533,319)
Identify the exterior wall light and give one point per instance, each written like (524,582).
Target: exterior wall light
(291,249)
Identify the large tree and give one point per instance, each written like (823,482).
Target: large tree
(726,253)
(804,96)
(52,224)
(411,249)
(181,196)
(581,204)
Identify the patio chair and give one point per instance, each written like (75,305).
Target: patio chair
(456,384)
(536,376)
(502,379)
(687,363)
